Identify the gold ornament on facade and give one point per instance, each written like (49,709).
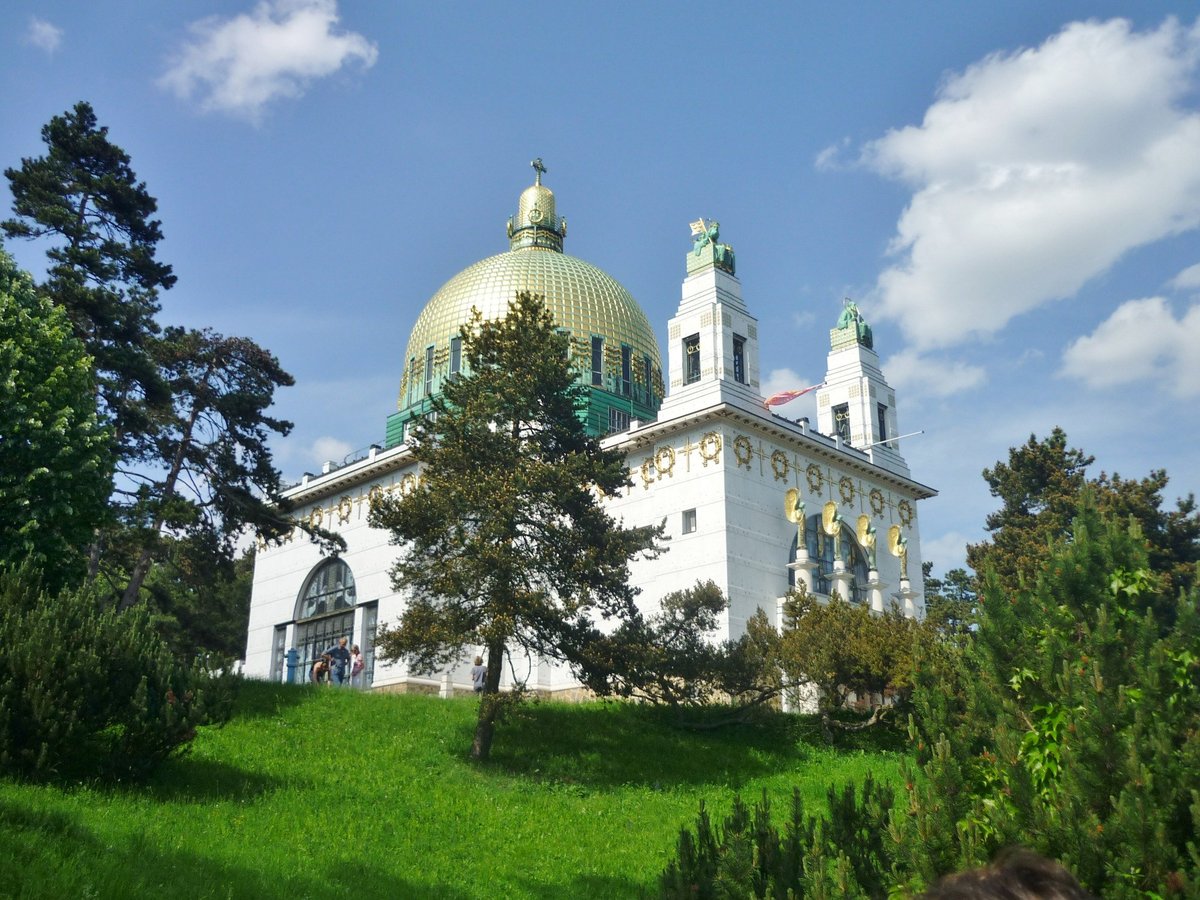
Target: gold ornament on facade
(710,447)
(374,496)
(743,451)
(344,508)
(876,498)
(664,460)
(898,547)
(408,484)
(846,489)
(779,465)
(316,517)
(905,510)
(814,477)
(647,476)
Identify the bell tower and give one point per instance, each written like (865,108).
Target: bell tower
(712,338)
(856,403)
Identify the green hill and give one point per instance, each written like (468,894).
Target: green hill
(322,793)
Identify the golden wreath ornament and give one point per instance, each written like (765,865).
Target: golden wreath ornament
(647,478)
(846,489)
(344,508)
(408,484)
(316,517)
(664,460)
(374,496)
(779,465)
(743,451)
(876,498)
(815,479)
(904,508)
(710,447)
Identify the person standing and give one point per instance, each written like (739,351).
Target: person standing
(356,667)
(478,675)
(341,661)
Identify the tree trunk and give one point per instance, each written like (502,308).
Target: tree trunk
(142,568)
(489,705)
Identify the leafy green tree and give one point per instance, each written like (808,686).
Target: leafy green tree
(84,198)
(844,649)
(187,409)
(200,599)
(950,602)
(670,659)
(1075,729)
(218,475)
(1040,488)
(55,454)
(506,543)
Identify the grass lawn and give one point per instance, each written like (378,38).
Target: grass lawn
(319,793)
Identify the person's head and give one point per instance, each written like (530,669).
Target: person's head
(355,648)
(1015,874)
(479,660)
(341,642)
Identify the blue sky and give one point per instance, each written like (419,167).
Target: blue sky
(1010,191)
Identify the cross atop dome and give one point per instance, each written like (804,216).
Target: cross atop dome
(539,169)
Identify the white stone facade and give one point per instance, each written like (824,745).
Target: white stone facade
(715,465)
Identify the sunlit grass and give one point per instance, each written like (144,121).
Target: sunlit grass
(319,792)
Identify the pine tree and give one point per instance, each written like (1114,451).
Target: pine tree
(84,197)
(506,543)
(1075,732)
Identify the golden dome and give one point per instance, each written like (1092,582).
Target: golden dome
(583,299)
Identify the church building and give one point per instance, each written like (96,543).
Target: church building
(753,501)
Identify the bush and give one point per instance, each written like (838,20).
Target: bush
(86,692)
(842,856)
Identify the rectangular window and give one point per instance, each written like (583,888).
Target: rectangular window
(618,420)
(455,355)
(841,422)
(626,370)
(597,361)
(882,436)
(689,521)
(739,359)
(428,371)
(691,359)
(648,374)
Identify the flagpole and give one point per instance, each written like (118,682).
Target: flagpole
(889,440)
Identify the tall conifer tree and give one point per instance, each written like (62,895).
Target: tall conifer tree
(506,544)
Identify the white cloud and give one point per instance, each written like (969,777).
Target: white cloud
(241,64)
(44,35)
(1035,171)
(918,375)
(1187,279)
(1141,341)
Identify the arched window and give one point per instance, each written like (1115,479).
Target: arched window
(324,611)
(821,551)
(330,587)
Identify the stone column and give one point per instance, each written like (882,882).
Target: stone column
(875,587)
(908,598)
(804,567)
(840,581)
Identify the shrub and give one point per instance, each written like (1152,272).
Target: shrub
(87,692)
(842,856)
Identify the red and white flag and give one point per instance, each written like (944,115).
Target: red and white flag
(788,396)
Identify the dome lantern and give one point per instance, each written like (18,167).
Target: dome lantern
(611,343)
(536,223)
